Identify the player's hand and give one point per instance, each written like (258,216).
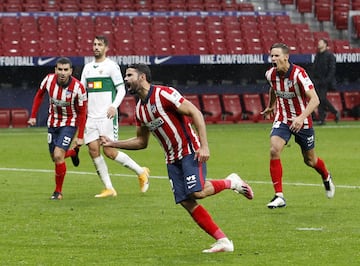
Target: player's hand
(111,112)
(105,141)
(296,124)
(79,142)
(32,121)
(202,154)
(268,113)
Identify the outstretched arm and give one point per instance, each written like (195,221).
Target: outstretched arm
(136,143)
(39,96)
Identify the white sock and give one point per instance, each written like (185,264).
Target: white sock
(103,171)
(126,161)
(279,194)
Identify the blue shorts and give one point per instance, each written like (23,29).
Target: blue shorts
(305,137)
(186,177)
(60,137)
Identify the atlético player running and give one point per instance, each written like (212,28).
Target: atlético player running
(293,95)
(67,114)
(165,113)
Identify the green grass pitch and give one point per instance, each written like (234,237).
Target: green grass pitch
(149,229)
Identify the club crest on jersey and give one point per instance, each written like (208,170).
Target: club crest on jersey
(290,83)
(153,108)
(68,94)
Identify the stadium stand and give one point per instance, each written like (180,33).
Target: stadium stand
(19,117)
(352,104)
(336,101)
(223,35)
(211,108)
(162,35)
(232,108)
(126,111)
(253,107)
(5,120)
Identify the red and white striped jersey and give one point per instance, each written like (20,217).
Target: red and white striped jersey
(172,130)
(290,93)
(66,103)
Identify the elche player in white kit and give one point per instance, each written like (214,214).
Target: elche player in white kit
(105,86)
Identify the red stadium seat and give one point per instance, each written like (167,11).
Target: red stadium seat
(340,19)
(323,12)
(232,107)
(286,2)
(19,117)
(341,46)
(351,102)
(304,6)
(194,99)
(127,111)
(5,118)
(211,108)
(246,7)
(335,99)
(253,106)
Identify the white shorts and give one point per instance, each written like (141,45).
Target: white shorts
(101,127)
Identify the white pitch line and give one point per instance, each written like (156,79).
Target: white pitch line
(309,229)
(166,177)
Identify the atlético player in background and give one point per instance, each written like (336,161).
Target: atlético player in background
(67,115)
(293,95)
(165,113)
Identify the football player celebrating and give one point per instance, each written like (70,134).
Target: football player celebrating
(165,113)
(293,94)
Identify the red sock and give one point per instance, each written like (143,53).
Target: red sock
(276,174)
(70,153)
(60,171)
(204,220)
(220,185)
(321,169)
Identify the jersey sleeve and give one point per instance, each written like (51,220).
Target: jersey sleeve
(172,96)
(116,75)
(305,81)
(81,109)
(83,76)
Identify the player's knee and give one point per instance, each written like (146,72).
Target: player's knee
(309,162)
(274,152)
(198,195)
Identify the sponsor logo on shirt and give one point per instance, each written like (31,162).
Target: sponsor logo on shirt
(155,124)
(285,94)
(95,85)
(59,103)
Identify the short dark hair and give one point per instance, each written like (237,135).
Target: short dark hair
(143,69)
(282,46)
(103,38)
(325,41)
(63,61)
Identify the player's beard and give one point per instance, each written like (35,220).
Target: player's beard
(62,80)
(132,89)
(97,54)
